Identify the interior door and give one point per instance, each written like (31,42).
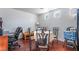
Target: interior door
(78,29)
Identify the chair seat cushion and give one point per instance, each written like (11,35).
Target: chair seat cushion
(46,46)
(11,40)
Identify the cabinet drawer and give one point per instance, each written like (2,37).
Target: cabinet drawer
(3,43)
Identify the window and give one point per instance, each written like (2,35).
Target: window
(46,16)
(57,14)
(73,12)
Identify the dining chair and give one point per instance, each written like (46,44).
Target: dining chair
(42,40)
(55,33)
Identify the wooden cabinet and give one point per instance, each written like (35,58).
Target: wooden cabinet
(3,43)
(3,39)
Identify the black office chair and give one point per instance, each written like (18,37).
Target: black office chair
(12,42)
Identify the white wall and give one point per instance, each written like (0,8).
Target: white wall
(13,18)
(65,20)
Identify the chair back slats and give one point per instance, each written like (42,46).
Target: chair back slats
(42,37)
(55,31)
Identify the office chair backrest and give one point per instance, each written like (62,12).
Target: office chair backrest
(17,32)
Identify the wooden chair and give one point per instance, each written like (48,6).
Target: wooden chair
(42,40)
(55,33)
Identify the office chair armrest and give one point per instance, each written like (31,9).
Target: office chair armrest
(11,36)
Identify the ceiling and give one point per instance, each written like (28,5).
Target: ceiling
(35,10)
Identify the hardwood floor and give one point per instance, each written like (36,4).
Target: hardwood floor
(54,47)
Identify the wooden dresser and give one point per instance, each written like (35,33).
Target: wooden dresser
(4,43)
